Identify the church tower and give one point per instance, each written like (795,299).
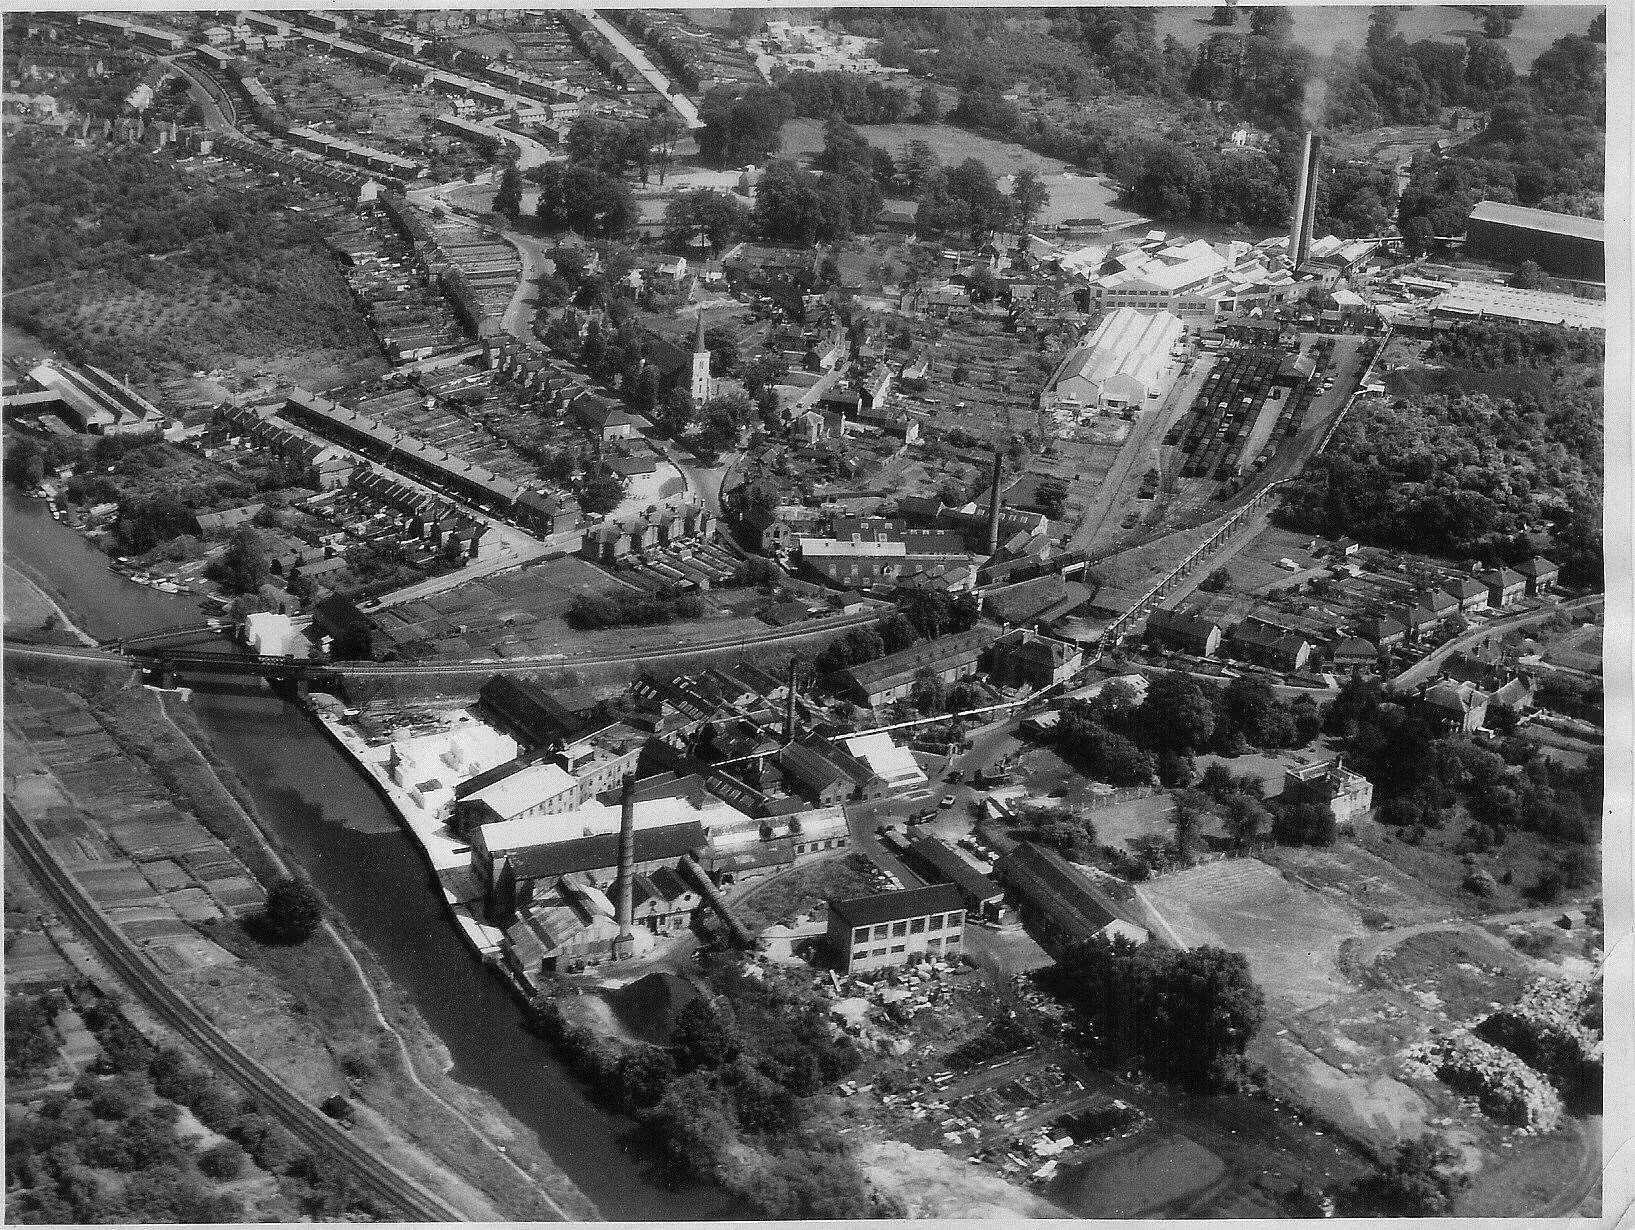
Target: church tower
(701,365)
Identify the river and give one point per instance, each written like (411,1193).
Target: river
(329,817)
(59,560)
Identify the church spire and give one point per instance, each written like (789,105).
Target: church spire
(698,341)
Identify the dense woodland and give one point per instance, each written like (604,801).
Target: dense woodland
(1492,453)
(137,269)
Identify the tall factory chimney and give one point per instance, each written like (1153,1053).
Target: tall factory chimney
(1305,200)
(624,944)
(789,707)
(993,502)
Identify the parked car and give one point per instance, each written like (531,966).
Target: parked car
(948,801)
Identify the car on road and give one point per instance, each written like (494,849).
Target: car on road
(948,801)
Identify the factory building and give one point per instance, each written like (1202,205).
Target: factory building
(1560,244)
(1128,363)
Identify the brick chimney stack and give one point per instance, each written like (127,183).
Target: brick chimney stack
(625,942)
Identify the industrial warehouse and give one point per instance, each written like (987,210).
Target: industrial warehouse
(1560,244)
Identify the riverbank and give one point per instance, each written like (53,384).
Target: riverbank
(418,809)
(309,1012)
(31,610)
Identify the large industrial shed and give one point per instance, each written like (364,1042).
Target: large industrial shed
(1126,364)
(1561,244)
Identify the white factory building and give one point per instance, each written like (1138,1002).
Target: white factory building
(1127,364)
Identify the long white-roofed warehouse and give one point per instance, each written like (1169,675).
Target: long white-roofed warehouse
(1128,363)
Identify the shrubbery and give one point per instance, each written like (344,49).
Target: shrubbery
(725,1099)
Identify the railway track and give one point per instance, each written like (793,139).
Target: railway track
(391,1187)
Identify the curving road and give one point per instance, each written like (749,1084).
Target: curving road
(1428,665)
(383,1181)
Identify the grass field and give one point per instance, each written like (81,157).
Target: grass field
(1322,28)
(26,606)
(1291,935)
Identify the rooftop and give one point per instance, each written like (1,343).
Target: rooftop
(890,907)
(1539,220)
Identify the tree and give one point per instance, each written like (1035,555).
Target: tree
(702,1037)
(585,200)
(224,1160)
(918,161)
(930,106)
(508,200)
(1177,713)
(1272,21)
(1217,580)
(1418,1182)
(293,911)
(704,215)
(1304,824)
(1528,276)
(1246,818)
(1029,197)
(243,567)
(601,492)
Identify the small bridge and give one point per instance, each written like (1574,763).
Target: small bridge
(164,667)
(166,638)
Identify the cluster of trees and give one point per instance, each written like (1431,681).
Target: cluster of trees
(921,615)
(1392,81)
(800,207)
(846,97)
(704,215)
(725,1101)
(1468,474)
(1185,1016)
(624,609)
(620,147)
(741,127)
(109,1149)
(1169,180)
(1178,718)
(583,199)
(1544,146)
(1117,739)
(1428,780)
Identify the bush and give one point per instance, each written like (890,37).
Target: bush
(293,912)
(222,1161)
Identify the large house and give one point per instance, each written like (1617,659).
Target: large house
(1026,659)
(1348,794)
(1189,633)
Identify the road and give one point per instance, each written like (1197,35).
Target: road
(214,116)
(1432,662)
(679,102)
(383,1181)
(1371,947)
